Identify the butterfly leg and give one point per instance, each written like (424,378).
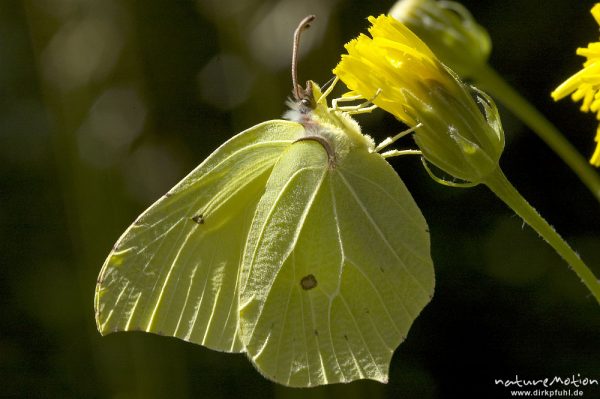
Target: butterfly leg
(335,101)
(396,153)
(390,140)
(362,108)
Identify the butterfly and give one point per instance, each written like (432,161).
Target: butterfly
(295,242)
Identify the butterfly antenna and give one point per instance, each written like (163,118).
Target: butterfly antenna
(304,24)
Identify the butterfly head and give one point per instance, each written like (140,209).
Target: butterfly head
(307,98)
(306,102)
(308,107)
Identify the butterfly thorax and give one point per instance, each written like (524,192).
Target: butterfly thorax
(337,128)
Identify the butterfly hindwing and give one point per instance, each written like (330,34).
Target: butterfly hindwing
(337,270)
(175,271)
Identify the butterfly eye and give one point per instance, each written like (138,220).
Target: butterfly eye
(306,102)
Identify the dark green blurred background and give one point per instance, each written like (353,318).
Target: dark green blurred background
(105,104)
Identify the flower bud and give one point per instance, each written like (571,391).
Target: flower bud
(449,30)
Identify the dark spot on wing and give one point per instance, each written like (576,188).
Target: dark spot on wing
(381,268)
(308,282)
(345,337)
(198,219)
(426,230)
(317,333)
(168,194)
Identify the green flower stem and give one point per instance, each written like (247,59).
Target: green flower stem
(500,185)
(488,78)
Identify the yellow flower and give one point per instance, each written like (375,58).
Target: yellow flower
(585,84)
(401,75)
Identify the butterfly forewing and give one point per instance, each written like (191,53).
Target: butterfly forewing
(175,271)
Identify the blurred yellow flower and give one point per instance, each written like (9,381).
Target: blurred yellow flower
(585,84)
(460,129)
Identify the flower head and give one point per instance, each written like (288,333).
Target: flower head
(460,132)
(449,29)
(585,84)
